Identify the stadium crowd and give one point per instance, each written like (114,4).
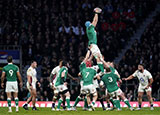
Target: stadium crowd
(51,30)
(147,51)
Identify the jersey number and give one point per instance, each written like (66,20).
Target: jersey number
(110,79)
(87,74)
(11,72)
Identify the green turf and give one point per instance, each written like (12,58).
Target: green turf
(47,111)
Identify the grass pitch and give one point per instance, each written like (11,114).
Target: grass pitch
(99,111)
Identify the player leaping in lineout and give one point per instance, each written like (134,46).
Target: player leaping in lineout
(92,37)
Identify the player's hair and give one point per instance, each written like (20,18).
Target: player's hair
(142,64)
(64,63)
(32,61)
(9,59)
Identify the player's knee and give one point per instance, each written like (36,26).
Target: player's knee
(67,97)
(139,96)
(149,95)
(95,94)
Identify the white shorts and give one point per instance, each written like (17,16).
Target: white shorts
(88,89)
(95,50)
(95,83)
(33,85)
(11,86)
(116,93)
(142,89)
(60,88)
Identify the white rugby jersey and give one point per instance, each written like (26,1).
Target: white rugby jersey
(55,73)
(143,77)
(95,82)
(32,72)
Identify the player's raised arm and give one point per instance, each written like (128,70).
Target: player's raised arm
(2,79)
(95,19)
(87,56)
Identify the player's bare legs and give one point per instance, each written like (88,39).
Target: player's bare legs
(34,94)
(140,94)
(15,94)
(29,99)
(122,96)
(149,95)
(54,100)
(91,104)
(9,101)
(68,100)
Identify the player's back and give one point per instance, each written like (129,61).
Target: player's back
(91,34)
(88,76)
(110,81)
(11,72)
(59,80)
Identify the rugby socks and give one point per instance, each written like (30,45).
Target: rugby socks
(151,104)
(93,103)
(117,103)
(16,101)
(127,103)
(53,105)
(59,103)
(68,102)
(101,101)
(100,65)
(108,105)
(111,100)
(64,107)
(85,103)
(77,101)
(9,103)
(139,105)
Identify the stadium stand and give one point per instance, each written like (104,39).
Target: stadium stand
(51,30)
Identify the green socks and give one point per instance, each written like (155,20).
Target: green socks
(111,100)
(68,102)
(127,103)
(9,102)
(59,103)
(117,103)
(77,101)
(16,101)
(101,67)
(85,103)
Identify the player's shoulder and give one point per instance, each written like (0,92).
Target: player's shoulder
(136,71)
(56,68)
(29,69)
(146,71)
(65,68)
(15,66)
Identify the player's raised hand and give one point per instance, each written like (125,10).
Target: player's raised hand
(2,85)
(97,10)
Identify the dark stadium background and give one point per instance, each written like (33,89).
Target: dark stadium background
(49,30)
